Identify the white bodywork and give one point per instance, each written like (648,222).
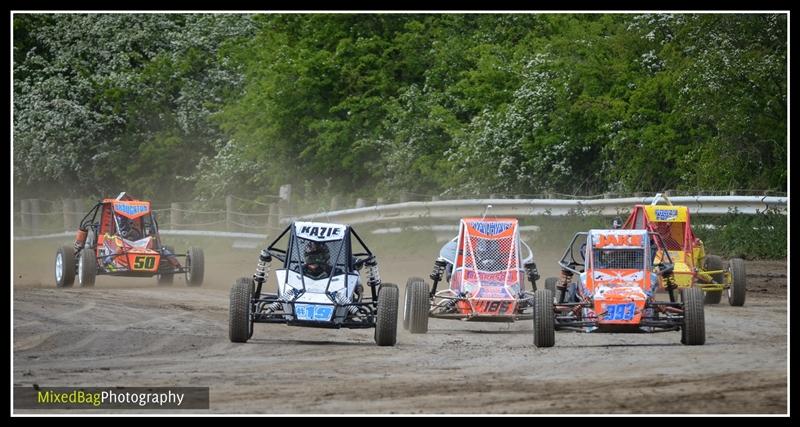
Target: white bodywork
(315,289)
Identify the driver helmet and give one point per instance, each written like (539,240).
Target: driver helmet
(488,254)
(125,226)
(317,258)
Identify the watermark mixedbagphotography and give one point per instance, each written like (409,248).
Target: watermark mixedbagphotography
(38,397)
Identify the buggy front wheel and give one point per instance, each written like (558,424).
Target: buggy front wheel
(65,267)
(87,268)
(240,324)
(195,265)
(693,330)
(419,305)
(386,319)
(550,284)
(544,330)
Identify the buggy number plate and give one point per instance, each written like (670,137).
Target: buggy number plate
(620,311)
(142,262)
(319,313)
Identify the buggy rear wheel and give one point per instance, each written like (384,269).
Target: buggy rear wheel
(87,267)
(65,267)
(195,265)
(386,322)
(713,262)
(166,279)
(738,289)
(419,305)
(240,324)
(693,331)
(544,330)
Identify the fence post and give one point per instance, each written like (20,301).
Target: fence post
(403,197)
(228,212)
(380,201)
(36,210)
(335,202)
(434,198)
(25,213)
(175,216)
(360,203)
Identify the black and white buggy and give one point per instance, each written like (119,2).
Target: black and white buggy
(329,297)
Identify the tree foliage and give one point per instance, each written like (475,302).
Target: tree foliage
(174,106)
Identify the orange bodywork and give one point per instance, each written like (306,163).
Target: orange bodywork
(619,295)
(488,279)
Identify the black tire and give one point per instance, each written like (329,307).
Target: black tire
(65,267)
(544,329)
(87,268)
(386,321)
(420,305)
(714,262)
(407,301)
(240,325)
(167,278)
(693,331)
(738,290)
(550,284)
(195,264)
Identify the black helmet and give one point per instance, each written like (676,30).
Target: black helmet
(125,226)
(488,254)
(317,256)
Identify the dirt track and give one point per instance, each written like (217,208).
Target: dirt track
(133,333)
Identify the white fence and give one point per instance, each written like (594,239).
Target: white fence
(197,233)
(449,209)
(60,218)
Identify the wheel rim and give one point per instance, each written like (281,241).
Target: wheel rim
(59,267)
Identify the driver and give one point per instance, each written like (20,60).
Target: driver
(128,229)
(317,260)
(488,255)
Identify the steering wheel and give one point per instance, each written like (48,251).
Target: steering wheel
(583,252)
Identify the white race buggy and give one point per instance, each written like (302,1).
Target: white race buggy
(318,286)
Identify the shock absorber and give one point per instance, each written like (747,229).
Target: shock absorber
(262,270)
(533,274)
(373,275)
(288,295)
(436,275)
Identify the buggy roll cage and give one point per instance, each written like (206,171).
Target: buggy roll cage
(90,221)
(354,262)
(576,267)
